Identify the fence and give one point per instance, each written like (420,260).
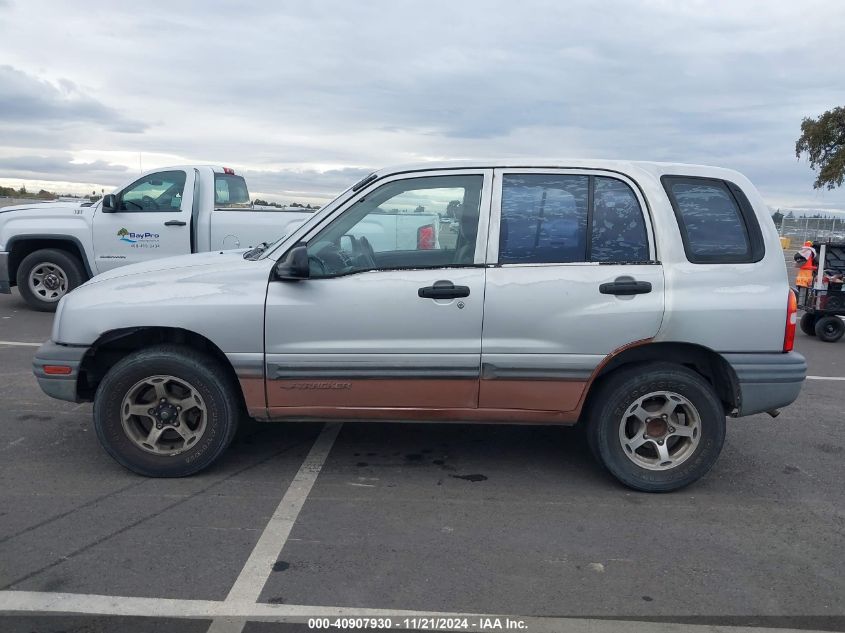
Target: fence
(799,230)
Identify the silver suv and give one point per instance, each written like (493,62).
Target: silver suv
(645,301)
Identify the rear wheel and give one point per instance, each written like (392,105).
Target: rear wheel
(656,427)
(830,329)
(166,411)
(47,275)
(808,324)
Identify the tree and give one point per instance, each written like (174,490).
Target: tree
(823,140)
(777,216)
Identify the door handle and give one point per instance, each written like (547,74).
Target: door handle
(175,223)
(443,290)
(625,286)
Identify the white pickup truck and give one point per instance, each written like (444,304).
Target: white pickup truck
(49,248)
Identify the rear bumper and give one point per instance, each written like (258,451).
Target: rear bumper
(767,381)
(61,386)
(5,282)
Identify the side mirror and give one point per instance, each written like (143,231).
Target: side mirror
(109,203)
(294,266)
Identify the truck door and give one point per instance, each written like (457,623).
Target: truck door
(576,278)
(152,218)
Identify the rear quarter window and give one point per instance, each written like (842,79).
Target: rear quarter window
(717,222)
(618,226)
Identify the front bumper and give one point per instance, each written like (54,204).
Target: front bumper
(5,282)
(767,381)
(61,386)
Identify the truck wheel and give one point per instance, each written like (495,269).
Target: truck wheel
(656,427)
(808,324)
(166,411)
(830,329)
(47,275)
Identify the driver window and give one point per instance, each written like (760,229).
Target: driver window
(427,222)
(155,192)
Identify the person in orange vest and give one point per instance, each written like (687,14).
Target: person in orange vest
(805,259)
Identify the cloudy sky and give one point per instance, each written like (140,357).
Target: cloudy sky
(305,97)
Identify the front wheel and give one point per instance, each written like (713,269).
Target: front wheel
(166,411)
(656,427)
(47,275)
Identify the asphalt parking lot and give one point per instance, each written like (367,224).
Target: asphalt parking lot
(383,519)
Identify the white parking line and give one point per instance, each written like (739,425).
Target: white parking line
(235,612)
(19,344)
(93,604)
(825,378)
(251,580)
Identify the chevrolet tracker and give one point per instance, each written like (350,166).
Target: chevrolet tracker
(645,301)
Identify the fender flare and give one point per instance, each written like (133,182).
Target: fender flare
(54,238)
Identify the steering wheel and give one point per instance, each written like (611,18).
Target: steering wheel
(369,253)
(316,266)
(363,252)
(149,203)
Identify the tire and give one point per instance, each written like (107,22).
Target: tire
(693,446)
(209,407)
(46,275)
(830,329)
(808,324)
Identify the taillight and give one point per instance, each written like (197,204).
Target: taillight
(791,320)
(425,237)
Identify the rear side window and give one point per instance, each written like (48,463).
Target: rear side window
(716,220)
(230,192)
(544,219)
(550,218)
